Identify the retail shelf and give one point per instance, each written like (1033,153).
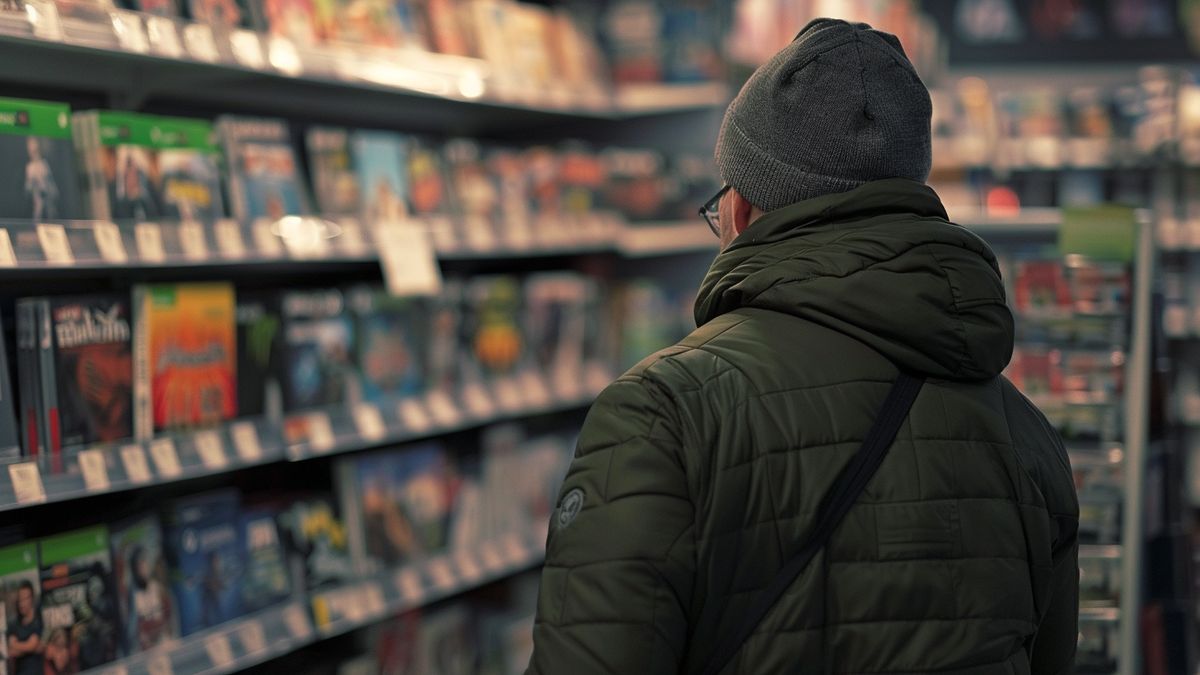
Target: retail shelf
(642,99)
(1042,221)
(315,433)
(276,631)
(649,239)
(1101,552)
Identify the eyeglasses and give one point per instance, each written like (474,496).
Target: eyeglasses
(711,211)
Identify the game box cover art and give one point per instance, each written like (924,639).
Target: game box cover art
(319,349)
(79,613)
(147,610)
(391,342)
(266,581)
(21,615)
(335,181)
(264,178)
(259,353)
(315,539)
(493,335)
(382,161)
(206,559)
(185,374)
(39,179)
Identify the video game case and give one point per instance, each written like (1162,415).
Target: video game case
(259,354)
(20,616)
(381,161)
(40,182)
(79,613)
(447,644)
(10,429)
(155,7)
(335,179)
(315,540)
(391,337)
(396,505)
(48,388)
(429,191)
(494,344)
(264,179)
(185,363)
(206,559)
(146,609)
(29,379)
(222,15)
(555,325)
(476,190)
(266,581)
(443,369)
(319,340)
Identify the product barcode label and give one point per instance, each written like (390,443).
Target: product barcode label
(131,34)
(27,483)
(245,441)
(220,652)
(369,421)
(252,637)
(211,450)
(110,244)
(133,457)
(191,240)
(201,43)
(8,256)
(94,468)
(149,242)
(228,234)
(55,246)
(163,36)
(166,459)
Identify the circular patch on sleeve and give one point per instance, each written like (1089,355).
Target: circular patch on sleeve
(569,507)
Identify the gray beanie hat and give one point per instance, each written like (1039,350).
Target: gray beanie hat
(838,107)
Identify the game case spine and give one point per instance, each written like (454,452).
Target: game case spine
(143,410)
(51,430)
(234,180)
(27,378)
(10,434)
(345,483)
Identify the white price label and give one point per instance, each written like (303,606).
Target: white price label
(166,459)
(110,244)
(408,261)
(228,234)
(372,599)
(320,432)
(27,483)
(43,17)
(116,670)
(247,49)
(211,450)
(149,242)
(490,556)
(443,409)
(164,38)
(94,468)
(131,34)
(467,566)
(479,234)
(478,401)
(508,394)
(8,255)
(245,441)
(514,549)
(266,241)
(160,664)
(133,457)
(252,637)
(408,585)
(369,421)
(55,246)
(220,652)
(534,389)
(413,414)
(200,42)
(192,241)
(296,620)
(283,55)
(442,574)
(351,240)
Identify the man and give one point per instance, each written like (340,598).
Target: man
(699,472)
(25,633)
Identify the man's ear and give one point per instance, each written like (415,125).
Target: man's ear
(742,211)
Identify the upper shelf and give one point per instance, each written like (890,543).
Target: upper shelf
(135,59)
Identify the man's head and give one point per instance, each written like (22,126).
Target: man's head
(838,107)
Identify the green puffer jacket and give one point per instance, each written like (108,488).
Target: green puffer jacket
(699,471)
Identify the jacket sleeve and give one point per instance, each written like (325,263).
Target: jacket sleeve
(1058,635)
(620,554)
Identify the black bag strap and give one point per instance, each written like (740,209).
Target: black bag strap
(834,507)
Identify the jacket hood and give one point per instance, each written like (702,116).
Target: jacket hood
(880,264)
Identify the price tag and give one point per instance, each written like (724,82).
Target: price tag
(191,240)
(468,568)
(131,34)
(166,460)
(95,470)
(220,653)
(372,599)
(296,620)
(229,239)
(350,603)
(266,241)
(245,441)
(159,664)
(149,242)
(136,466)
(282,54)
(508,394)
(414,416)
(320,432)
(408,584)
(514,549)
(247,49)
(369,421)
(478,401)
(479,234)
(27,483)
(200,42)
(164,39)
(406,255)
(43,17)
(116,670)
(351,239)
(443,409)
(211,450)
(442,574)
(252,637)
(305,238)
(534,389)
(490,556)
(8,256)
(110,244)
(55,246)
